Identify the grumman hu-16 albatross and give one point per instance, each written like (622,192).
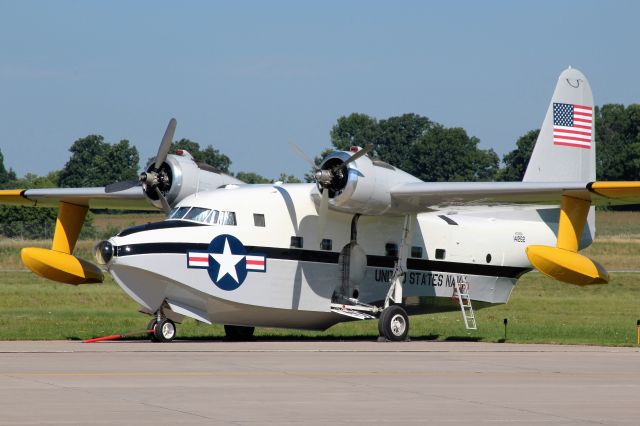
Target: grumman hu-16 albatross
(365,241)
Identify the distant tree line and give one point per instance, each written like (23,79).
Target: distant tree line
(415,144)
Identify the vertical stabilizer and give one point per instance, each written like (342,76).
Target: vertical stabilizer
(565,150)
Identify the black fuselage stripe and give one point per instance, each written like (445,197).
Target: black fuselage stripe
(330,257)
(450,267)
(270,252)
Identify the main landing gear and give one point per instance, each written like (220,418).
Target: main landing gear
(393,324)
(161,330)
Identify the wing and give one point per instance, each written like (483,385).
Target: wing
(94,198)
(58,263)
(424,196)
(562,262)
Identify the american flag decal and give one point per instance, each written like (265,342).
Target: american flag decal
(572,125)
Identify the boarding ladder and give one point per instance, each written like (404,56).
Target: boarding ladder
(462,293)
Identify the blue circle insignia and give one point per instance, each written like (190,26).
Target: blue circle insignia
(227,262)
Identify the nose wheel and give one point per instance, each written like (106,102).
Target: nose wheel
(161,331)
(393,324)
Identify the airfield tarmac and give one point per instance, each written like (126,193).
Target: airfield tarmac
(316,382)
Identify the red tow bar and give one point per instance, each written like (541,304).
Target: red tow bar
(116,336)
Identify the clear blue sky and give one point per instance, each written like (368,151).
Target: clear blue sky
(248,77)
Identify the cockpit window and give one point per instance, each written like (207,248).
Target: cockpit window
(177,212)
(197,214)
(202,215)
(213,217)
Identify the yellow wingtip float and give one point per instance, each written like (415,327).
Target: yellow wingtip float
(563,262)
(567,266)
(61,267)
(58,264)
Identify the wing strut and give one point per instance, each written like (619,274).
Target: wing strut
(395,291)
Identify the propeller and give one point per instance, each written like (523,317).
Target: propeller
(155,177)
(325,179)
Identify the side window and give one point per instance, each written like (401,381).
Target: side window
(391,249)
(416,251)
(228,218)
(258,219)
(296,242)
(326,244)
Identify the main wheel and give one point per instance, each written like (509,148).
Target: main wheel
(238,333)
(165,331)
(394,324)
(151,328)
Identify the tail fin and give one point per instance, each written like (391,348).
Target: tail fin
(565,150)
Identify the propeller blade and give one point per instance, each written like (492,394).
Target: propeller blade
(165,204)
(323,210)
(121,186)
(163,150)
(354,157)
(302,155)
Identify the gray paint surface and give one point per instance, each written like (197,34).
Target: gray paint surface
(316,382)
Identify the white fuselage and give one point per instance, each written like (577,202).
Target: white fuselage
(272,269)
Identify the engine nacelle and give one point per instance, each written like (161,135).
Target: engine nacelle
(180,176)
(365,184)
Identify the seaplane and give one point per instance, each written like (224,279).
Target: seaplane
(365,241)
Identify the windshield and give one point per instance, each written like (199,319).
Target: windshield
(200,214)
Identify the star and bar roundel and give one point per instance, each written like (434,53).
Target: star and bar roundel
(227,262)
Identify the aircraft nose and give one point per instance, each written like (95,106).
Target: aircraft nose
(103,252)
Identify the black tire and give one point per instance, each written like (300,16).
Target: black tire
(165,331)
(394,324)
(381,321)
(238,333)
(151,327)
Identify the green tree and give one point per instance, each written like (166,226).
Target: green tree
(5,176)
(209,155)
(515,162)
(27,222)
(250,177)
(35,223)
(618,142)
(285,178)
(449,154)
(94,162)
(354,130)
(418,146)
(397,139)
